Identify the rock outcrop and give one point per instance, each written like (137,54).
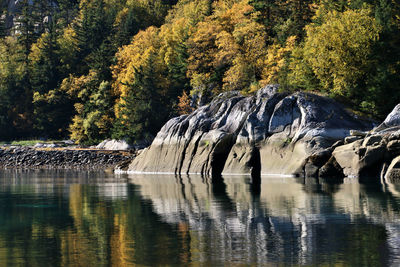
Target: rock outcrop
(374,154)
(14,12)
(269,133)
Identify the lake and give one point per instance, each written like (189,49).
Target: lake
(71,218)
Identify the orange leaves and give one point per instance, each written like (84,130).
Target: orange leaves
(183,106)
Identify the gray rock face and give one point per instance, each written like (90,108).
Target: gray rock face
(269,133)
(14,7)
(369,156)
(393,119)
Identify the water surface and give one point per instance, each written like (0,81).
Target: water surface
(69,218)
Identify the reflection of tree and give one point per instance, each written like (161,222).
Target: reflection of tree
(84,229)
(181,220)
(120,233)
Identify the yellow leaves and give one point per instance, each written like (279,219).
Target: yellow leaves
(37,48)
(68,45)
(276,60)
(50,97)
(238,76)
(235,15)
(173,38)
(94,123)
(121,16)
(338,50)
(79,107)
(229,41)
(191,11)
(252,38)
(199,81)
(151,53)
(77,130)
(79,87)
(228,49)
(104,124)
(132,57)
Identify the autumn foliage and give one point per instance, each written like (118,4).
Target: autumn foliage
(122,68)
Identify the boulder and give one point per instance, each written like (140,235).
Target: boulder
(366,157)
(331,169)
(355,158)
(393,148)
(268,133)
(286,130)
(393,119)
(113,145)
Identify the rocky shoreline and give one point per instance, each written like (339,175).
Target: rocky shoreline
(271,133)
(298,134)
(62,158)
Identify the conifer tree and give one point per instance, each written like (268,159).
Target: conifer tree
(142,112)
(266,9)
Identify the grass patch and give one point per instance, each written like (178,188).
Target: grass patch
(27,142)
(287,141)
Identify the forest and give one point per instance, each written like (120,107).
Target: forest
(95,69)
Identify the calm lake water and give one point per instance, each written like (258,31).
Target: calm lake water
(67,218)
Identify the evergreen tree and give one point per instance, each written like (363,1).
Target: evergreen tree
(300,15)
(142,109)
(67,11)
(25,28)
(266,9)
(126,26)
(91,27)
(14,114)
(383,80)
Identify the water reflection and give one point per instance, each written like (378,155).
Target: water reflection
(54,218)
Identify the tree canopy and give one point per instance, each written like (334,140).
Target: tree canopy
(95,69)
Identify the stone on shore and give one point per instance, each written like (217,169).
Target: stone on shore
(367,158)
(113,145)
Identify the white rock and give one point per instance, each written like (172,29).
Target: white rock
(114,145)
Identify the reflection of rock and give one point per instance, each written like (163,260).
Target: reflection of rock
(283,224)
(268,133)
